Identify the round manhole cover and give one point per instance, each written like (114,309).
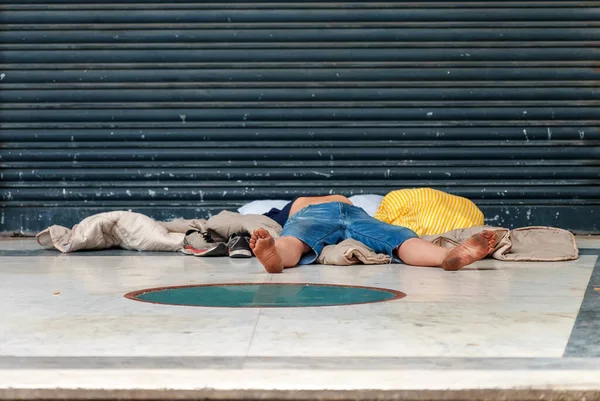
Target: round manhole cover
(267,295)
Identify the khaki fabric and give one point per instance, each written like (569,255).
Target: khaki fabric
(351,252)
(526,244)
(125,230)
(135,231)
(227,223)
(138,232)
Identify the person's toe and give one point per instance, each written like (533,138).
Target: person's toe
(262,233)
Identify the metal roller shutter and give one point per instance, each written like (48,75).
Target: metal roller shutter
(181,109)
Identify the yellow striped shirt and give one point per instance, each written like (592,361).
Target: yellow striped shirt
(428,211)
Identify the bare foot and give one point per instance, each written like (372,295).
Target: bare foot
(263,246)
(475,248)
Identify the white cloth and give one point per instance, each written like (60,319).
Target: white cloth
(262,206)
(369,203)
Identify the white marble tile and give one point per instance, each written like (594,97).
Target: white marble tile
(161,334)
(399,328)
(90,316)
(73,324)
(130,272)
(559,279)
(495,309)
(18,244)
(357,274)
(588,241)
(504,282)
(469,313)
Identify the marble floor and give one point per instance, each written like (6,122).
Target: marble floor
(495,325)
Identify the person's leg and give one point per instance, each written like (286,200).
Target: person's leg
(418,252)
(302,238)
(277,254)
(402,244)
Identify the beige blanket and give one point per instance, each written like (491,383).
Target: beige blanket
(135,231)
(138,232)
(527,244)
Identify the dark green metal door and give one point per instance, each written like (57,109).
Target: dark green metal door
(180,109)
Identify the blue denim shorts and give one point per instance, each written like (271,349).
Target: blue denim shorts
(331,223)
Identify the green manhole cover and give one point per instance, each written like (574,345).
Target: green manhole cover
(244,295)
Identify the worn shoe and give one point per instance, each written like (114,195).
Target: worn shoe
(202,244)
(239,246)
